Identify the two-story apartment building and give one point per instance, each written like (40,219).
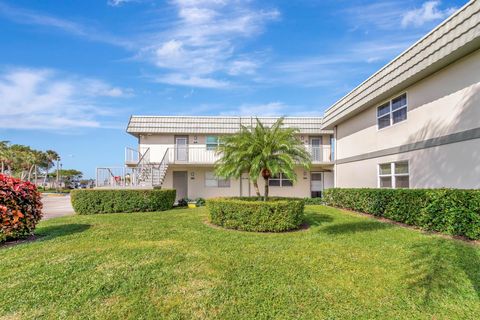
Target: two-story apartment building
(180,153)
(415,123)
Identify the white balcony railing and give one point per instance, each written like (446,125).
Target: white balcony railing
(320,154)
(135,157)
(201,154)
(192,154)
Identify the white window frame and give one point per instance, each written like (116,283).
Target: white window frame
(390,111)
(281,179)
(211,144)
(392,174)
(217,180)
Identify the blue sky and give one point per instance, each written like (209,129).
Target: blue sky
(72,72)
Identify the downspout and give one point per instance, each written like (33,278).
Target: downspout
(335,184)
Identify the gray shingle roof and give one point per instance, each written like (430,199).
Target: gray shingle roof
(218,125)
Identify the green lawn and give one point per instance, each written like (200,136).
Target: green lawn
(171,265)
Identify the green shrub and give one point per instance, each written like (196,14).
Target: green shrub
(315,201)
(249,214)
(200,202)
(451,211)
(118,200)
(183,202)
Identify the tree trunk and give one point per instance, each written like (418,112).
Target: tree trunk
(30,173)
(257,190)
(45,178)
(265,196)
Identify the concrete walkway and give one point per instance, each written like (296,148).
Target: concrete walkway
(56,206)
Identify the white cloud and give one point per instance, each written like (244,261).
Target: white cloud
(45,99)
(116,3)
(244,66)
(202,41)
(180,79)
(271,109)
(427,13)
(29,17)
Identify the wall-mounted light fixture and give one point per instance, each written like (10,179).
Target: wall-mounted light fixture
(305,175)
(192,175)
(195,139)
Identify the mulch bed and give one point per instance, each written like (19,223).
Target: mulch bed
(11,243)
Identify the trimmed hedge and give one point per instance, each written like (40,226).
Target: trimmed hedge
(20,208)
(314,201)
(451,211)
(250,214)
(119,200)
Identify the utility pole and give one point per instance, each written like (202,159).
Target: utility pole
(58,174)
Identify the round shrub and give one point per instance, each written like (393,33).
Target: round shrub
(121,200)
(20,208)
(252,214)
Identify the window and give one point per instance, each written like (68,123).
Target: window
(213,181)
(212,142)
(391,112)
(393,175)
(280,181)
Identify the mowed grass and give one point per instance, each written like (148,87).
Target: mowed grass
(171,265)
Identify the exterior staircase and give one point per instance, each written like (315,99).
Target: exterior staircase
(151,174)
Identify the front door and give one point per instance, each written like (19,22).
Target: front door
(180,183)
(316,147)
(245,185)
(316,184)
(181,148)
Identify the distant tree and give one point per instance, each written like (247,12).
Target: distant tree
(69,176)
(50,158)
(5,155)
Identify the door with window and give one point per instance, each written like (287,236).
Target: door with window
(181,148)
(316,148)
(316,184)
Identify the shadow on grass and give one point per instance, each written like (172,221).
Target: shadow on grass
(438,267)
(61,230)
(317,219)
(354,227)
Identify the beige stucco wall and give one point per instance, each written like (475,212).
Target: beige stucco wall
(444,103)
(197,188)
(455,165)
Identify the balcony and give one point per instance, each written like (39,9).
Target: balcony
(202,155)
(321,154)
(192,155)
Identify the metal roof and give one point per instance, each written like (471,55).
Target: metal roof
(456,37)
(216,125)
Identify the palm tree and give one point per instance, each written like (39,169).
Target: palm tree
(5,155)
(236,156)
(51,158)
(265,151)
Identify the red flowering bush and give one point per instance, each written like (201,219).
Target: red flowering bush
(20,208)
